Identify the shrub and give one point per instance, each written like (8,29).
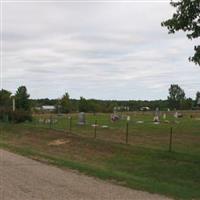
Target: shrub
(18,116)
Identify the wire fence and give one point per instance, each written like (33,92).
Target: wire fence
(171,135)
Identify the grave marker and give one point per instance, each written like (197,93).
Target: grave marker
(81,118)
(157,115)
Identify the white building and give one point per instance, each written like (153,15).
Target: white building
(48,108)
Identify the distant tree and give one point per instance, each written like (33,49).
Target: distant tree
(187,104)
(187,19)
(65,103)
(22,99)
(5,100)
(83,105)
(176,96)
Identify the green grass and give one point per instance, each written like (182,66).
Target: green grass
(144,164)
(186,130)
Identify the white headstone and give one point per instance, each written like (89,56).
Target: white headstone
(176,114)
(164,116)
(156,119)
(157,115)
(81,118)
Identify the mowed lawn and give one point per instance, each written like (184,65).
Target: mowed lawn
(141,129)
(144,163)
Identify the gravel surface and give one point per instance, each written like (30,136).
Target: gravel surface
(25,179)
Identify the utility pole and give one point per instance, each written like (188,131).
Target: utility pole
(13,103)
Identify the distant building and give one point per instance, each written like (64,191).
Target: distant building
(121,108)
(46,108)
(145,108)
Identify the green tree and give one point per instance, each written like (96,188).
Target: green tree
(65,103)
(22,99)
(187,19)
(83,105)
(187,104)
(5,98)
(176,96)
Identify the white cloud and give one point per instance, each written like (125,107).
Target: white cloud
(97,50)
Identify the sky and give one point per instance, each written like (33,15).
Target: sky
(95,49)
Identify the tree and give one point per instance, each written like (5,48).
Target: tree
(83,105)
(22,99)
(176,96)
(65,103)
(187,104)
(187,19)
(5,98)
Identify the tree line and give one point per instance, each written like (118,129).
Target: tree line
(175,100)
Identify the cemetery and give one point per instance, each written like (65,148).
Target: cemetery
(146,150)
(150,129)
(102,89)
(151,147)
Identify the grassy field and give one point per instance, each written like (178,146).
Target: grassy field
(144,163)
(141,131)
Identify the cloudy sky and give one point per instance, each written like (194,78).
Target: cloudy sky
(103,50)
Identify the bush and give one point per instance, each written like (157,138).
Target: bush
(21,116)
(18,116)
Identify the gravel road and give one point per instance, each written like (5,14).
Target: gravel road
(25,179)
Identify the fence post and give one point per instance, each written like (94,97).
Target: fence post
(70,124)
(95,129)
(50,123)
(127,132)
(170,139)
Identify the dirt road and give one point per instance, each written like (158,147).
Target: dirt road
(25,179)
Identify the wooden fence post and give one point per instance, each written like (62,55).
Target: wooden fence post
(70,124)
(170,139)
(51,121)
(127,132)
(95,129)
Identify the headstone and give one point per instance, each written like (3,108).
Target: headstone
(176,114)
(157,115)
(164,116)
(156,119)
(81,118)
(139,122)
(114,117)
(104,126)
(94,125)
